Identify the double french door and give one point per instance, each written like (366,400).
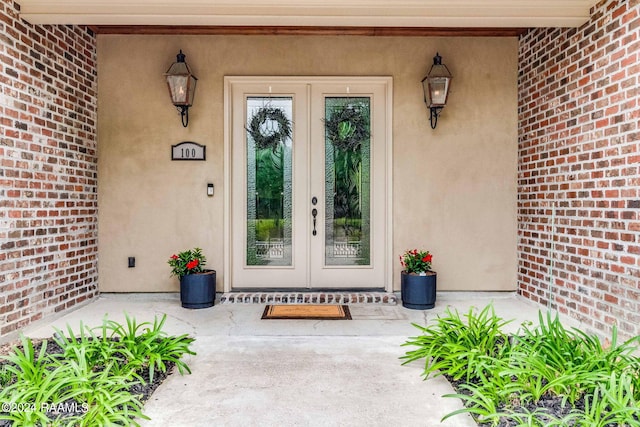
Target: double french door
(308,202)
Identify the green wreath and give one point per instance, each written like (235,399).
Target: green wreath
(347,128)
(269,139)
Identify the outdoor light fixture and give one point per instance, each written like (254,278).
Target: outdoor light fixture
(182,87)
(436,88)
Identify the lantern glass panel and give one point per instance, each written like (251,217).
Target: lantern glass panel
(191,89)
(438,88)
(178,89)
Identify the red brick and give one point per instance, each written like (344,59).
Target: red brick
(594,177)
(26,159)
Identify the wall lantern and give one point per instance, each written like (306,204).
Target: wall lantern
(182,87)
(436,88)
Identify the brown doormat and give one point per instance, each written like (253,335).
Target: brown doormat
(307,311)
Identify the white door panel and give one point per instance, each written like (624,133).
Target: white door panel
(272,238)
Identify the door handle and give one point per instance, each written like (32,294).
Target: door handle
(314,213)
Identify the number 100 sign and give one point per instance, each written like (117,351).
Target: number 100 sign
(188,150)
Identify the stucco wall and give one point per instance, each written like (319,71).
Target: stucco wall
(454,187)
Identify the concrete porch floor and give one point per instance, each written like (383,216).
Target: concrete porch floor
(249,371)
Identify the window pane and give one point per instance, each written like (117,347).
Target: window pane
(347,180)
(269,181)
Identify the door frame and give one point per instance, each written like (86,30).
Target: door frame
(229,81)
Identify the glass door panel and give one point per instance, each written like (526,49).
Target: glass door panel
(347,180)
(267,224)
(310,209)
(348,149)
(269,181)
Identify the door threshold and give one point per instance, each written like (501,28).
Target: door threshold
(307,297)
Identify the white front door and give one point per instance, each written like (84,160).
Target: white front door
(308,195)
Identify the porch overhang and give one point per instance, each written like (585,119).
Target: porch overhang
(311,13)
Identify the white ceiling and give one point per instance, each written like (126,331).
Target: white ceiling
(356,13)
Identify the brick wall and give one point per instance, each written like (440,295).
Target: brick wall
(579,168)
(48,198)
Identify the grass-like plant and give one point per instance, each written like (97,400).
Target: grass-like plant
(39,381)
(6,376)
(93,374)
(505,379)
(458,347)
(149,346)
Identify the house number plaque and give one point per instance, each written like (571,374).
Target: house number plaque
(188,150)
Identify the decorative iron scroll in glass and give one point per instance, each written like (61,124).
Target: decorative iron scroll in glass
(347,180)
(269,180)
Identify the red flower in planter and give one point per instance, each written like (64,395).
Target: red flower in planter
(416,261)
(187,262)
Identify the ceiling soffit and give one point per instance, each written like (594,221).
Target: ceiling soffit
(310,13)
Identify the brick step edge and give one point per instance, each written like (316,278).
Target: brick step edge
(382,298)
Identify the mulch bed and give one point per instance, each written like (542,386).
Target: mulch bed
(143,391)
(551,405)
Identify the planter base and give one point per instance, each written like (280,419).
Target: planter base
(418,306)
(191,305)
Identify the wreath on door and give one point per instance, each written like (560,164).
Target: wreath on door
(347,127)
(269,127)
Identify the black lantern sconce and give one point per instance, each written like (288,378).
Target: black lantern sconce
(182,87)
(436,89)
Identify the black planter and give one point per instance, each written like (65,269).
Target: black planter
(198,290)
(418,292)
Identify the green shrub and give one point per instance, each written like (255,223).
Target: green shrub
(504,376)
(460,348)
(94,374)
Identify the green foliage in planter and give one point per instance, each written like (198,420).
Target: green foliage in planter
(504,376)
(191,261)
(93,374)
